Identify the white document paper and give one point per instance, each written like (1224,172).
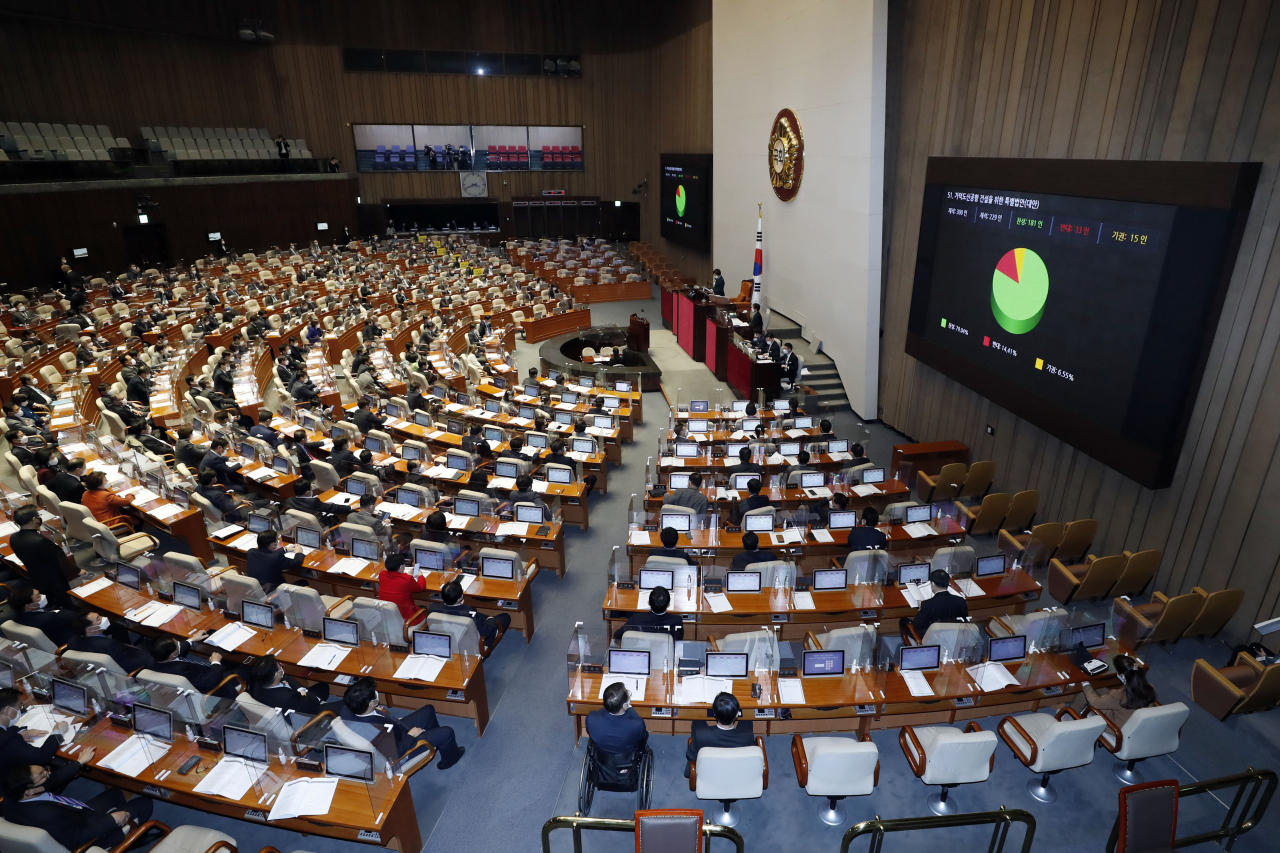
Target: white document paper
(969,588)
(840,457)
(166,511)
(326,656)
(797,433)
(513,528)
(304,797)
(636,685)
(823,535)
(790,536)
(991,676)
(865,489)
(790,691)
(540,486)
(46,718)
(503,482)
(701,688)
(466,581)
(638,537)
(230,637)
(802,600)
(912,601)
(697,436)
(917,683)
(348,566)
(260,474)
(245,541)
(232,777)
(919,530)
(134,755)
(672,461)
(92,587)
(719,602)
(776,459)
(421,667)
(225,531)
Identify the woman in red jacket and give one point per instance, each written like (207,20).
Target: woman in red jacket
(398,587)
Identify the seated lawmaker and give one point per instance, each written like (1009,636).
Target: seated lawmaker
(32,609)
(102,821)
(945,606)
(16,745)
(657,620)
(751,553)
(754,500)
(744,466)
(270,686)
(268,562)
(692,497)
(87,635)
(616,728)
(866,537)
(729,731)
(399,587)
(490,627)
(670,536)
(360,704)
(168,654)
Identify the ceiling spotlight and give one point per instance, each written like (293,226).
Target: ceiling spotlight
(575,67)
(247,33)
(549,66)
(480,71)
(265,37)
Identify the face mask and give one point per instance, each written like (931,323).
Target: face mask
(43,602)
(104,624)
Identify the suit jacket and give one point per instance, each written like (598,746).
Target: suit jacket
(221,501)
(745,559)
(344,462)
(745,468)
(619,734)
(35,395)
(265,433)
(867,539)
(138,392)
(56,625)
(790,366)
(15,752)
(129,658)
(70,826)
(653,623)
(365,420)
(380,720)
(67,487)
(315,506)
(752,502)
(189,454)
(268,567)
(46,565)
(286,696)
(221,468)
(691,498)
(709,734)
(486,625)
(203,678)
(678,553)
(943,607)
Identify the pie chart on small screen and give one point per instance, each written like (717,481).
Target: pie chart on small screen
(1019,289)
(680,200)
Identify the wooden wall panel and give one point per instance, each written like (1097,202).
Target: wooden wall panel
(645,85)
(1153,79)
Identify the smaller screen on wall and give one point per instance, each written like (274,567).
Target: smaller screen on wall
(686,199)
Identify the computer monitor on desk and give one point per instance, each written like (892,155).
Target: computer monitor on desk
(428,559)
(128,575)
(688,450)
(564,418)
(842,519)
(536,441)
(345,631)
(726,665)
(699,407)
(654,578)
(838,445)
(1090,636)
(913,573)
(916,514)
(354,486)
(244,743)
(740,481)
(739,405)
(258,615)
(622,387)
(871,476)
(989,567)
(430,643)
(789,448)
(678,522)
(678,480)
(156,722)
(501,568)
(364,549)
(70,697)
(823,662)
(529,514)
(742,582)
(6,675)
(919,658)
(186,595)
(762,523)
(559,476)
(409,497)
(469,507)
(749,424)
(830,579)
(307,537)
(348,763)
(812,480)
(628,662)
(1007,649)
(804,422)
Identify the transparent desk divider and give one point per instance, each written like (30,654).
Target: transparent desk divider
(619,566)
(379,625)
(189,707)
(760,645)
(1042,628)
(25,660)
(962,642)
(586,657)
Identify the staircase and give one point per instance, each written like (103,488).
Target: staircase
(821,374)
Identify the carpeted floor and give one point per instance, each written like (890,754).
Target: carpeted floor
(525,769)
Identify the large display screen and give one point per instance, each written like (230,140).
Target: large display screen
(686,199)
(1085,305)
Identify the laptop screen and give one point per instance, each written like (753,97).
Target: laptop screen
(805,422)
(678,481)
(740,405)
(559,476)
(502,568)
(307,537)
(613,402)
(872,475)
(127,575)
(429,643)
(780,405)
(824,662)
(652,578)
(990,566)
(687,450)
(920,657)
(564,417)
(830,579)
(628,662)
(153,721)
(355,764)
(365,549)
(726,665)
(258,615)
(749,424)
(1007,648)
(838,445)
(469,507)
(913,573)
(529,514)
(742,582)
(1092,636)
(570,397)
(425,558)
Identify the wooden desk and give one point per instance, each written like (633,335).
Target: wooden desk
(351,816)
(891,491)
(748,376)
(621,291)
(928,457)
(556,324)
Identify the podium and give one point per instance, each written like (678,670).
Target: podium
(638,334)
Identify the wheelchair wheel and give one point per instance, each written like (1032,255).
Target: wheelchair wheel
(646,779)
(586,789)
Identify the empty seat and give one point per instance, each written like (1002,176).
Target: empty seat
(835,768)
(942,755)
(1048,744)
(1148,732)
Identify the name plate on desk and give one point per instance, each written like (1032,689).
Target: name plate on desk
(508,604)
(456,695)
(1055,690)
(254,814)
(688,617)
(868,614)
(661,712)
(965,702)
(766,713)
(780,617)
(369,835)
(626,585)
(864,710)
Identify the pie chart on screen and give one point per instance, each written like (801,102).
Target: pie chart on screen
(1019,289)
(680,200)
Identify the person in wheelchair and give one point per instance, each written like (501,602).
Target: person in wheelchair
(616,728)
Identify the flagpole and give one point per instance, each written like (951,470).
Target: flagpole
(757,287)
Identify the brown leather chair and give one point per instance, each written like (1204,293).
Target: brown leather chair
(1022,510)
(662,830)
(1091,579)
(1242,688)
(1162,620)
(1138,572)
(1035,548)
(1076,541)
(977,480)
(944,486)
(1218,609)
(987,518)
(744,295)
(1148,819)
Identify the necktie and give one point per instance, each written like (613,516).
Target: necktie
(68,801)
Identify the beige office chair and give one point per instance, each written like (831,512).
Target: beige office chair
(1092,579)
(411,762)
(33,637)
(729,774)
(1139,569)
(988,517)
(1162,620)
(307,608)
(93,659)
(1242,688)
(1076,541)
(834,768)
(1215,613)
(1033,549)
(945,486)
(942,755)
(977,481)
(461,629)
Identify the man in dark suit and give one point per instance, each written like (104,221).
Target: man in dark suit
(223,382)
(33,392)
(360,705)
(16,747)
(48,569)
(717,283)
(772,347)
(744,466)
(751,553)
(945,606)
(616,728)
(187,452)
(168,653)
(342,459)
(753,500)
(670,537)
(101,821)
(557,456)
(365,418)
(727,732)
(66,484)
(490,627)
(304,501)
(790,364)
(262,428)
(657,620)
(757,319)
(270,686)
(268,562)
(29,609)
(215,460)
(865,537)
(87,636)
(859,455)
